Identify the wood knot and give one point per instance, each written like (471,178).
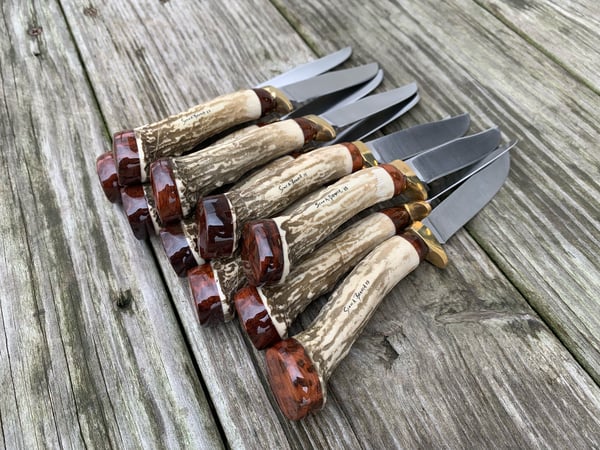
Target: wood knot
(90,11)
(123,299)
(35,31)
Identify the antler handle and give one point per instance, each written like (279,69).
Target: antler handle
(299,367)
(178,183)
(221,217)
(134,150)
(271,247)
(267,312)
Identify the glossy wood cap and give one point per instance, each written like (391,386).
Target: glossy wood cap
(293,379)
(165,191)
(177,248)
(254,318)
(262,252)
(136,209)
(205,295)
(107,173)
(127,158)
(216,227)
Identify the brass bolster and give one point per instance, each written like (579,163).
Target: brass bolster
(284,105)
(415,188)
(368,157)
(325,132)
(417,210)
(436,255)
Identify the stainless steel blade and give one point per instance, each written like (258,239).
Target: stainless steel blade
(309,69)
(412,141)
(460,207)
(337,100)
(368,106)
(455,179)
(304,91)
(454,155)
(364,128)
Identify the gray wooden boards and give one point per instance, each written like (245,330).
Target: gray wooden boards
(87,359)
(453,358)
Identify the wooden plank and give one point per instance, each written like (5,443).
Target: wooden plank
(464,59)
(87,361)
(173,56)
(567,31)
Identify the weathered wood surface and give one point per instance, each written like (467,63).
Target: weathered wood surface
(92,353)
(568,32)
(453,358)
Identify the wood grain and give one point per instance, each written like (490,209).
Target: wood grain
(569,32)
(92,355)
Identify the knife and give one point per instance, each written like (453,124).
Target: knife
(105,163)
(278,185)
(225,276)
(142,201)
(176,134)
(267,312)
(222,216)
(270,247)
(299,367)
(178,183)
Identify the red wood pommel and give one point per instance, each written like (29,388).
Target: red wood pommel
(135,207)
(262,252)
(127,158)
(293,379)
(164,187)
(107,173)
(216,227)
(254,318)
(205,295)
(177,248)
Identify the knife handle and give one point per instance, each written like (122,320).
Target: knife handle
(140,210)
(135,149)
(213,285)
(178,183)
(267,312)
(271,247)
(221,217)
(179,241)
(299,367)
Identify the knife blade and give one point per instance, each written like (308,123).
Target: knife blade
(309,69)
(266,312)
(221,217)
(178,133)
(270,247)
(178,183)
(299,367)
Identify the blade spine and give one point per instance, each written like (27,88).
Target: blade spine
(458,131)
(433,220)
(381,95)
(337,58)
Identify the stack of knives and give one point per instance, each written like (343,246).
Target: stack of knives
(261,199)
